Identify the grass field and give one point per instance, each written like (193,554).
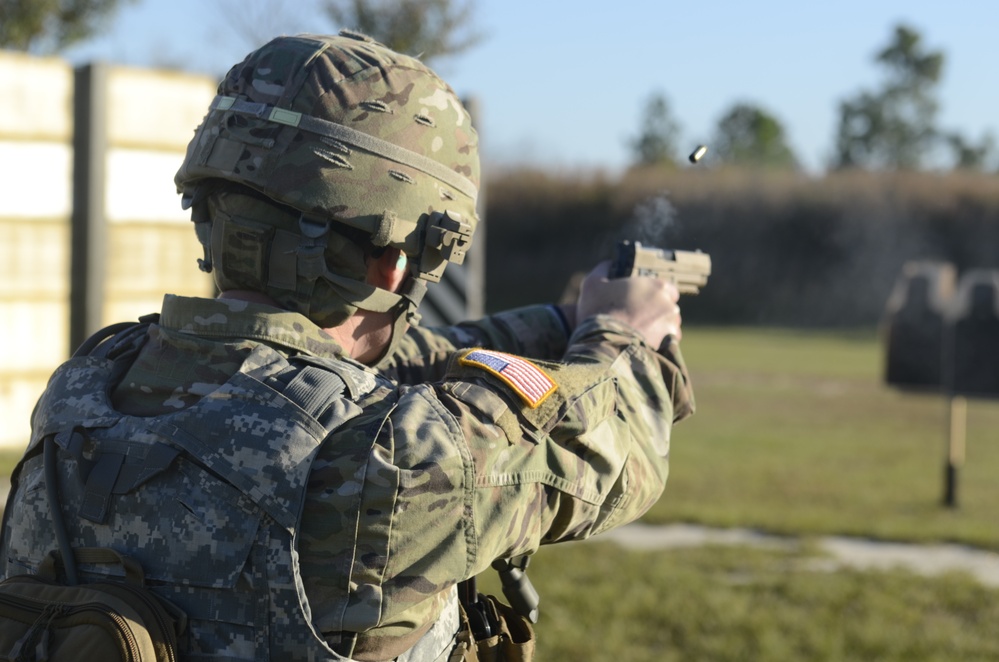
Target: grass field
(9,458)
(796,434)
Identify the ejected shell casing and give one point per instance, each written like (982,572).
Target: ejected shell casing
(698,153)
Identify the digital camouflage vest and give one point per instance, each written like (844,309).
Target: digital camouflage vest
(207,499)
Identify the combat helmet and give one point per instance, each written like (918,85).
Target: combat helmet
(314,140)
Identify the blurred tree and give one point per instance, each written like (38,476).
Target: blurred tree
(748,135)
(893,128)
(428,29)
(659,133)
(47,26)
(248,24)
(971,156)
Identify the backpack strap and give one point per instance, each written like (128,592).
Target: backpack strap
(52,493)
(49,569)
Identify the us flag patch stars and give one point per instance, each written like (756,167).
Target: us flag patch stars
(527,380)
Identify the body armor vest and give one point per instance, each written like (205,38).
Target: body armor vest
(207,499)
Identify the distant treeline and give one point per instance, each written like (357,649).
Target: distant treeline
(787,250)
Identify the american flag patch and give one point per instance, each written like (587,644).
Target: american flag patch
(526,379)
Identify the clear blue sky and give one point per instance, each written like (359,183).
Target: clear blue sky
(563,83)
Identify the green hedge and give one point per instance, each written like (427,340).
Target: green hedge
(786,249)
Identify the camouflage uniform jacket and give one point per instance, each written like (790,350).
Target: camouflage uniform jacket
(417,484)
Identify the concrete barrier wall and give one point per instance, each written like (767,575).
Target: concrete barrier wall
(36,130)
(151,248)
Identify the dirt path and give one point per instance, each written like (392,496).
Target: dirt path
(842,552)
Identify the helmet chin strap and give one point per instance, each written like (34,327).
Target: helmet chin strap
(403,304)
(414,289)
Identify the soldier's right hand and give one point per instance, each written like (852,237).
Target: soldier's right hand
(648,305)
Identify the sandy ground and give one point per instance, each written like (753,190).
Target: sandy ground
(840,551)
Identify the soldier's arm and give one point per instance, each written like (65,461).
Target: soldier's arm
(592,453)
(539,332)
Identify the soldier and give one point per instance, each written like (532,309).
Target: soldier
(296,467)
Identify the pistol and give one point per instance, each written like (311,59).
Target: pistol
(688,270)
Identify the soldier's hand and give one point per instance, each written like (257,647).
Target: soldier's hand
(648,305)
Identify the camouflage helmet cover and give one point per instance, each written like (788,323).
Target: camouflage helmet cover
(342,128)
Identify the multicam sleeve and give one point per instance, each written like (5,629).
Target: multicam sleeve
(590,455)
(538,332)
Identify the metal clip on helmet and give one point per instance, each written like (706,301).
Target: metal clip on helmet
(340,130)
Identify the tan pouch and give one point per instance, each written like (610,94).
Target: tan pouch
(43,620)
(514,642)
